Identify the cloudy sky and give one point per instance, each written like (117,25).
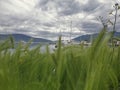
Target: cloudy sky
(50,18)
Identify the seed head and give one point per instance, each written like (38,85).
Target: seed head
(116,4)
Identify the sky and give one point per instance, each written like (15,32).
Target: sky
(51,18)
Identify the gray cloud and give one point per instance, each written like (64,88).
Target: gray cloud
(91,5)
(69,7)
(46,18)
(43,2)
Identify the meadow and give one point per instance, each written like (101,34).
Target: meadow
(69,68)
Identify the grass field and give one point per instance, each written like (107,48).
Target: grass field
(70,68)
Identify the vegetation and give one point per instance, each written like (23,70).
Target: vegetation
(70,68)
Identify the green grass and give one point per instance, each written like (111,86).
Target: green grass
(70,68)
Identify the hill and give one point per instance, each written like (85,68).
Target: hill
(22,37)
(88,37)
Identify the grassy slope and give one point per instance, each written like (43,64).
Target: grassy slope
(70,68)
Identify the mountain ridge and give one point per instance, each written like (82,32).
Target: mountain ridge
(88,37)
(23,37)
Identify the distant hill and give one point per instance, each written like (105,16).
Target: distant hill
(88,37)
(22,37)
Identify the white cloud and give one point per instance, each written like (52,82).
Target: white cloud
(16,6)
(50,16)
